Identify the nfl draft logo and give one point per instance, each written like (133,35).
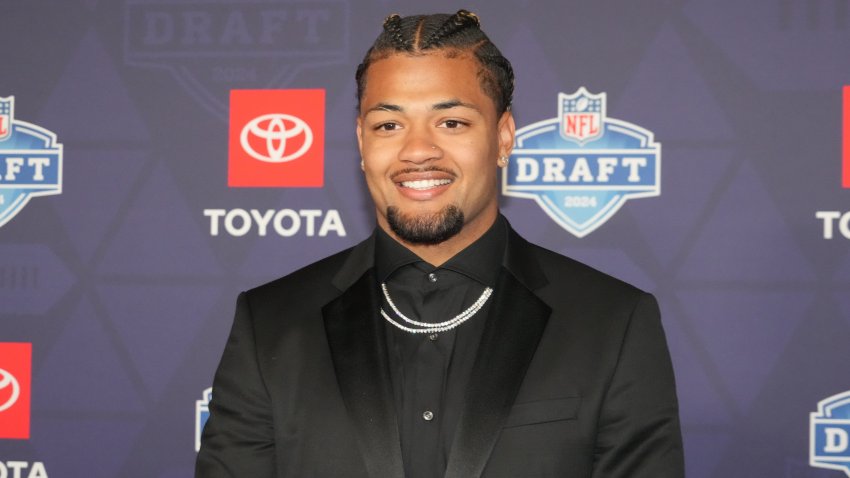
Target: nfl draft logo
(202,413)
(30,162)
(829,434)
(213,46)
(582,166)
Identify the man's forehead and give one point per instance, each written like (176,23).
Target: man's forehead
(435,106)
(457,61)
(435,81)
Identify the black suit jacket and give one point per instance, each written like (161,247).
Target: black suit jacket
(572,379)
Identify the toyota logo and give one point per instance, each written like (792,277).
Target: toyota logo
(8,380)
(276,129)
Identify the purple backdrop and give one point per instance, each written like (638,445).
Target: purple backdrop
(127,297)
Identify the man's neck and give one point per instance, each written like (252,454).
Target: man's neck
(438,254)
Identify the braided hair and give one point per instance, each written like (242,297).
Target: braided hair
(461,32)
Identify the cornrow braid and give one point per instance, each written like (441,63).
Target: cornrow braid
(392,26)
(460,32)
(454,24)
(505,75)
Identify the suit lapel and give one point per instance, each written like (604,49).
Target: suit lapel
(359,353)
(515,324)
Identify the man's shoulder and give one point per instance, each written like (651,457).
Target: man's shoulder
(579,294)
(312,280)
(564,271)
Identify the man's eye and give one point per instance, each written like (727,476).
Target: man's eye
(453,124)
(387,127)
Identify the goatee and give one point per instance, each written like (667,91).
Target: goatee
(426,229)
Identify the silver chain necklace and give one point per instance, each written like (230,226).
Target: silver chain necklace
(430,328)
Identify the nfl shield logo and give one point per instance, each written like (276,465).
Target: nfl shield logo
(829,434)
(7,114)
(202,413)
(582,115)
(582,165)
(32,159)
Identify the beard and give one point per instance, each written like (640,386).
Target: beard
(426,229)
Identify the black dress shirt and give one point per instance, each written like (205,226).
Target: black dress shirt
(430,371)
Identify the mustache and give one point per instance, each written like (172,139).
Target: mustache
(426,169)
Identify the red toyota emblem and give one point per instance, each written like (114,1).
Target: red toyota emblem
(15,369)
(276,138)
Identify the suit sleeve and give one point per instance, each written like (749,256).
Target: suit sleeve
(238,439)
(639,434)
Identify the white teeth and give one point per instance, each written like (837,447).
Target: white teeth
(425,183)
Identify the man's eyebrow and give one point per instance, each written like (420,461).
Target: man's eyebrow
(385,107)
(445,105)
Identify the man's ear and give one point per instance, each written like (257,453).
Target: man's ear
(359,130)
(507,133)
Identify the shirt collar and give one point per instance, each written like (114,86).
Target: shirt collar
(481,260)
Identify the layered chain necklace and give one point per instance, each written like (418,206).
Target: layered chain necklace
(427,327)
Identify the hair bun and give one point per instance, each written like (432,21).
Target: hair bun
(391,18)
(468,16)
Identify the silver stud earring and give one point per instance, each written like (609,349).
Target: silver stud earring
(503,161)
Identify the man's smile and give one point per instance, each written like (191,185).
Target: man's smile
(423,184)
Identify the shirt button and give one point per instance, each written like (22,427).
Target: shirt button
(432,277)
(428,415)
(433,337)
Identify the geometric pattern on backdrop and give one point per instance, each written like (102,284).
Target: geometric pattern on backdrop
(746,99)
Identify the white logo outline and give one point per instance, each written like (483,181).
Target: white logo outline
(276,132)
(7,378)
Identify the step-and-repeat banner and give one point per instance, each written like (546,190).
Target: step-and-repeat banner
(159,156)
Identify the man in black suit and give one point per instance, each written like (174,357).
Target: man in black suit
(444,344)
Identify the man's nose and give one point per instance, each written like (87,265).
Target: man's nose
(420,147)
